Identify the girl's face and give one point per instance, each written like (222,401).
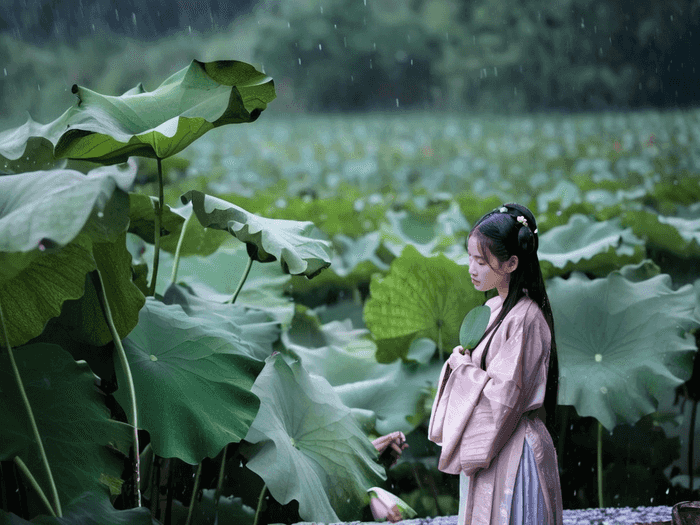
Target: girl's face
(486,271)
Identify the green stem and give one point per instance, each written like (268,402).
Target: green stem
(32,481)
(220,483)
(194,494)
(176,262)
(102,296)
(240,283)
(159,216)
(260,502)
(600,465)
(440,341)
(32,421)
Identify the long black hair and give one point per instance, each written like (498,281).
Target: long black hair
(504,232)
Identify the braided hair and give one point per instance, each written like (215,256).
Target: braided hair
(504,232)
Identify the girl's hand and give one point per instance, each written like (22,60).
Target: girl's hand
(390,447)
(459,357)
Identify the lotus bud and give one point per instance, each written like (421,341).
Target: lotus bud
(387,507)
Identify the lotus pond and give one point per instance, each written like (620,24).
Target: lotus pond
(261,301)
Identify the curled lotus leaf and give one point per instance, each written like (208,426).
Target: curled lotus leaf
(298,245)
(622,345)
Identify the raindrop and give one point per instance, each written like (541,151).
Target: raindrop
(495,71)
(100,214)
(288,25)
(299,61)
(352,78)
(603,390)
(539,15)
(133,18)
(667,491)
(42,247)
(345,41)
(640,86)
(474,38)
(190,29)
(38,87)
(5,69)
(370,63)
(320,48)
(335,26)
(582,24)
(671,18)
(412,64)
(397,102)
(321,9)
(93,28)
(652,500)
(365,3)
(515,91)
(374,44)
(595,29)
(116,13)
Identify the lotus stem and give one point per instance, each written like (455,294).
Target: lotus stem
(600,465)
(32,481)
(691,434)
(32,421)
(440,341)
(176,262)
(194,494)
(260,502)
(159,216)
(243,278)
(220,483)
(102,296)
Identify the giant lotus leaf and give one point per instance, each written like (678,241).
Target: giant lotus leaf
(157,124)
(193,385)
(621,344)
(310,449)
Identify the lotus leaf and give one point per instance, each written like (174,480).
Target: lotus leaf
(405,228)
(41,211)
(157,124)
(567,193)
(474,326)
(298,245)
(37,293)
(192,384)
(216,276)
(142,217)
(428,297)
(311,448)
(82,443)
(676,235)
(27,148)
(382,396)
(588,246)
(350,254)
(84,318)
(251,331)
(622,344)
(90,508)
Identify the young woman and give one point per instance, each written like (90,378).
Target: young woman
(490,411)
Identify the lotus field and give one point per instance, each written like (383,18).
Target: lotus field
(248,309)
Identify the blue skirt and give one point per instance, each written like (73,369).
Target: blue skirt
(528,507)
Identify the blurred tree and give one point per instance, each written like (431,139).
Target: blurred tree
(502,55)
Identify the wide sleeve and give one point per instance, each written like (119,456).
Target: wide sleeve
(479,410)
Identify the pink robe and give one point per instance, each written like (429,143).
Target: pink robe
(482,418)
